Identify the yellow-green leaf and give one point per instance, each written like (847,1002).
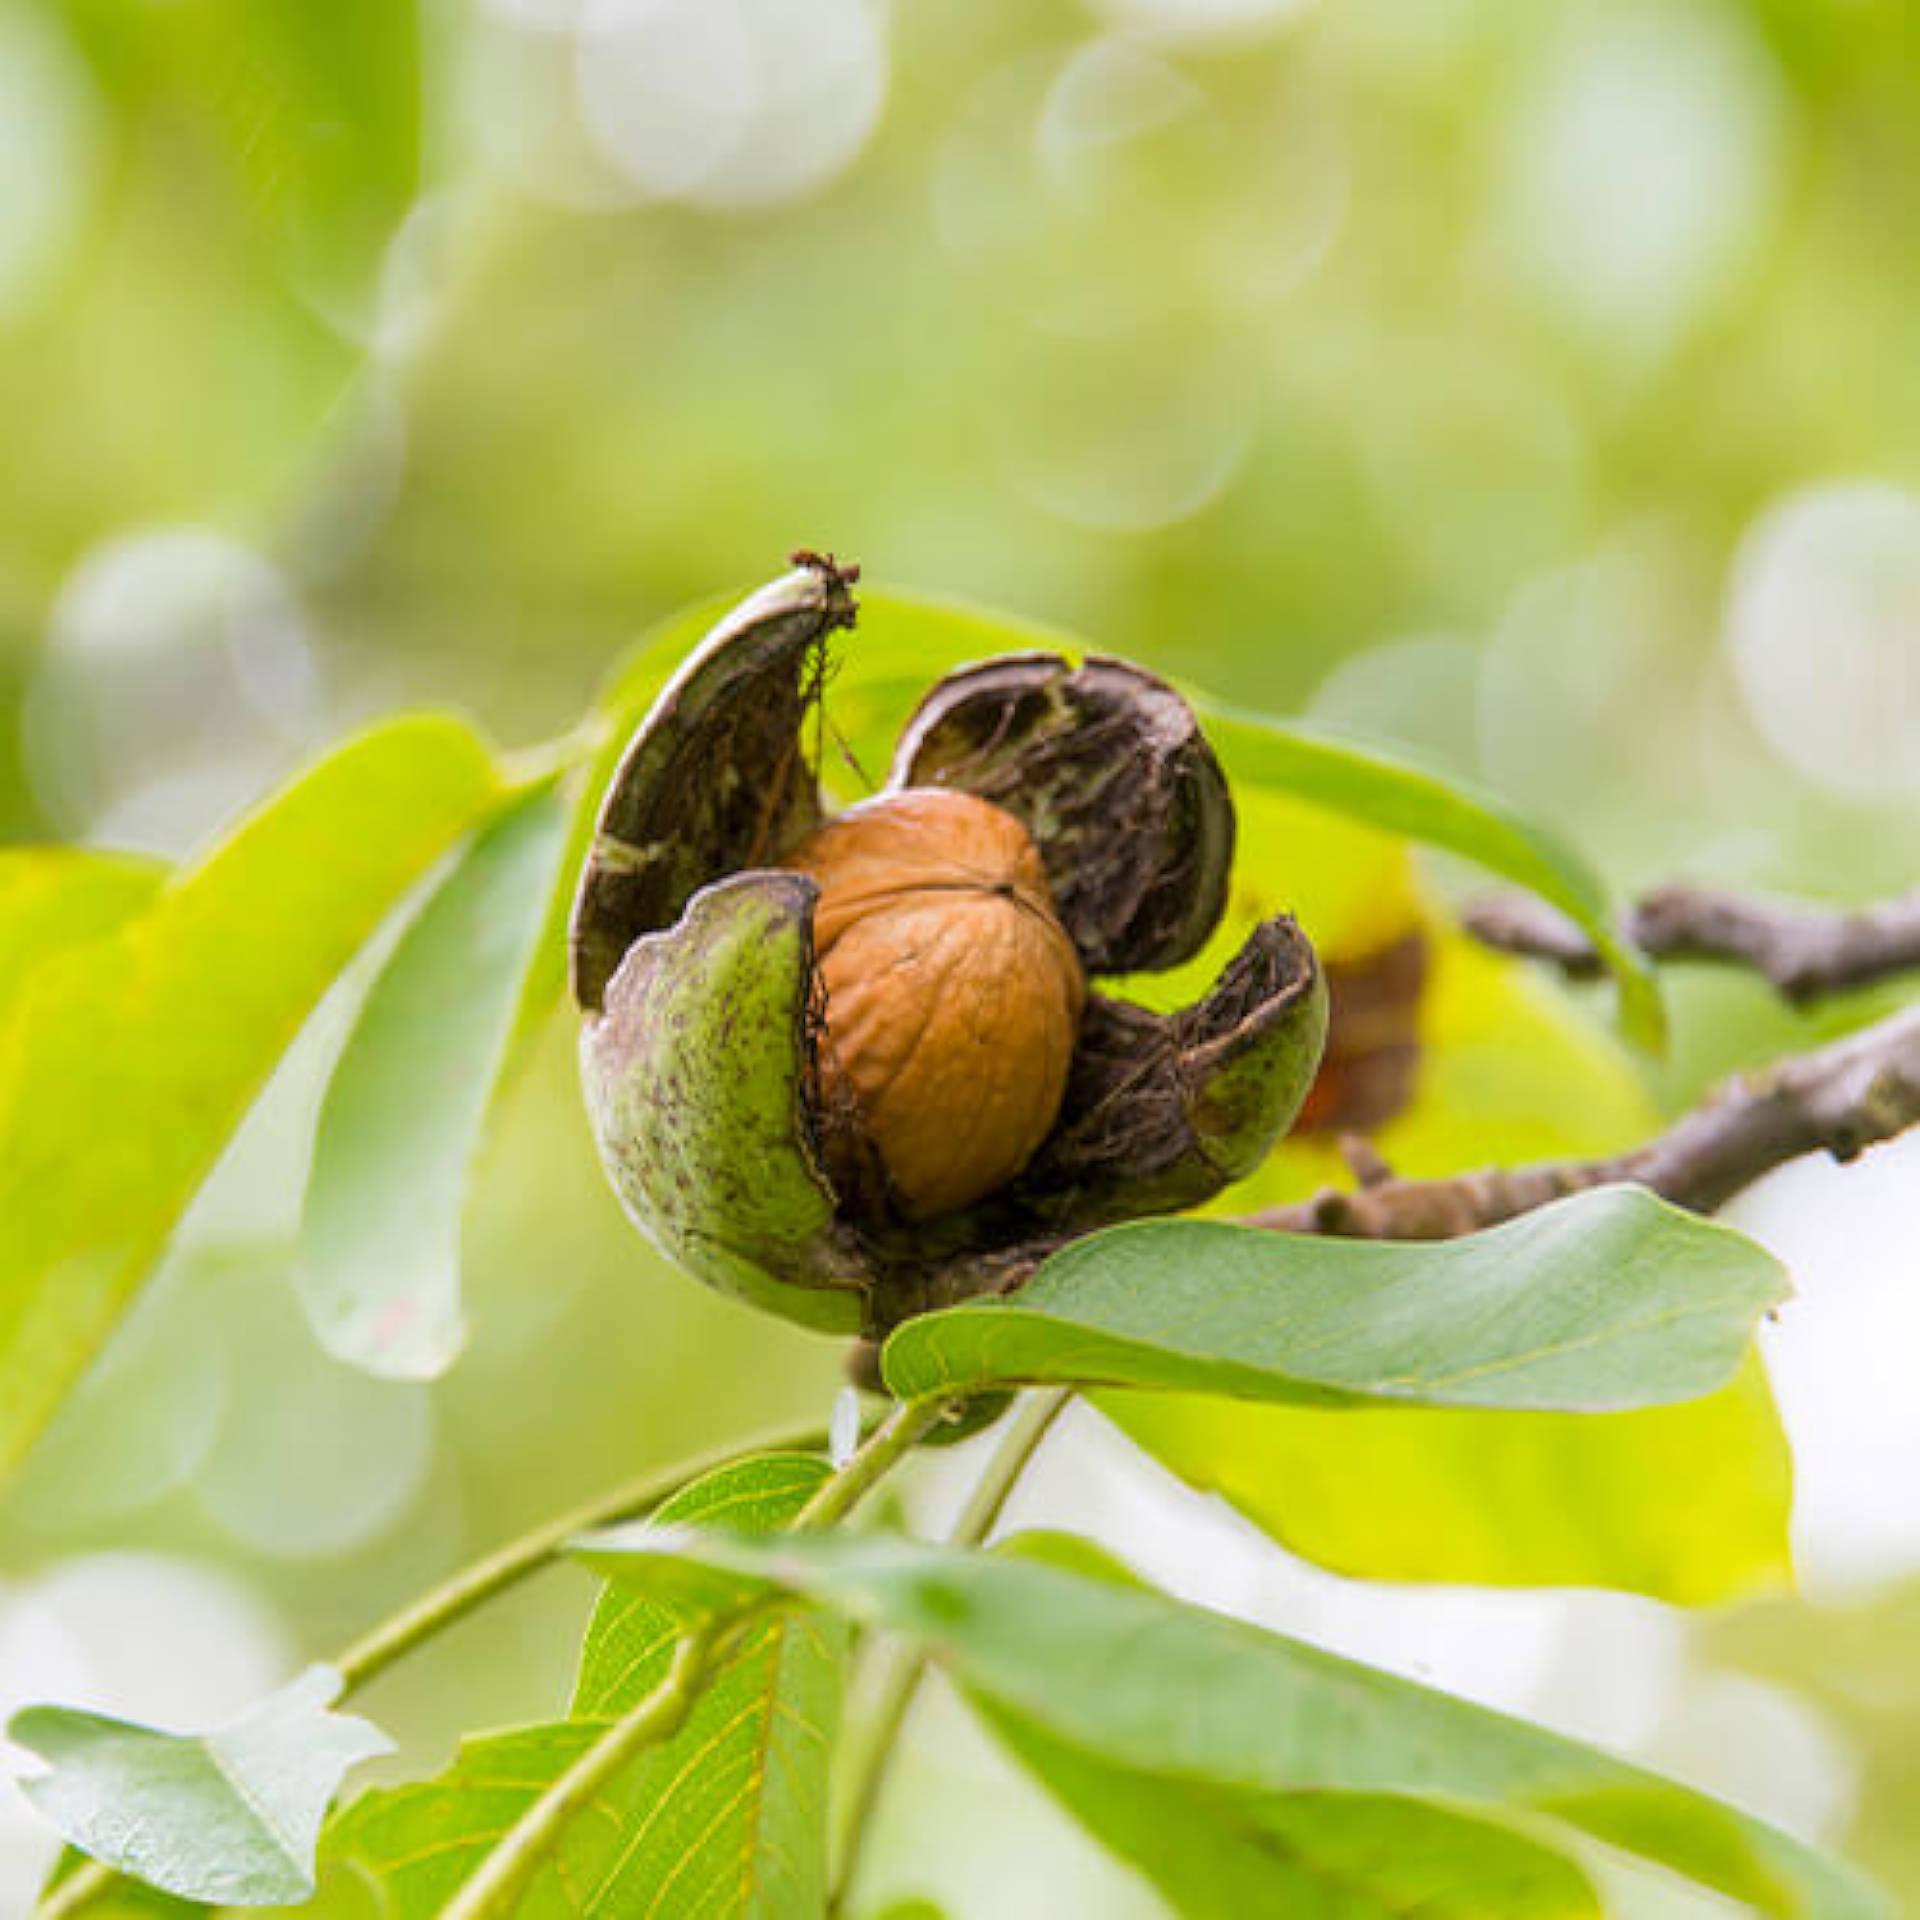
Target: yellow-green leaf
(52,898)
(1499,1499)
(126,1061)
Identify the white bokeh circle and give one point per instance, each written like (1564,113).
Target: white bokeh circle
(1638,166)
(1823,636)
(1200,20)
(731,103)
(177,678)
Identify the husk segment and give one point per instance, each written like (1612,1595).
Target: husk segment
(696,1078)
(1165,1110)
(716,779)
(1105,765)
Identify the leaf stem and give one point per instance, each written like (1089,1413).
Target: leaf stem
(504,1874)
(903,1428)
(434,1611)
(906,1666)
(1029,1426)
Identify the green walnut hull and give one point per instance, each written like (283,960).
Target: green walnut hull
(695,1079)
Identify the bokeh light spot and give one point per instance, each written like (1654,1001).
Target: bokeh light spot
(731,103)
(1641,164)
(1121,436)
(1201,19)
(314,1459)
(1823,633)
(1060,177)
(1420,692)
(176,680)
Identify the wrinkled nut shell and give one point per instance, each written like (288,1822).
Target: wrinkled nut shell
(953,997)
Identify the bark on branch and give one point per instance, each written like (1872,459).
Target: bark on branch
(1803,951)
(1841,1099)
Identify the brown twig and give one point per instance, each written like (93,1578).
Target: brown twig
(1840,1099)
(1803,951)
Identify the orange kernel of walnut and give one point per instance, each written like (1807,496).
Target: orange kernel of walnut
(953,994)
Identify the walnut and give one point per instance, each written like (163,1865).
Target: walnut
(953,995)
(849,1069)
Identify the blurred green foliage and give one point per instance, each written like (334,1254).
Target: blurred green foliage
(1240,355)
(1428,364)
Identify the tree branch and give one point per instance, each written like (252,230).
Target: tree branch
(1805,952)
(1840,1100)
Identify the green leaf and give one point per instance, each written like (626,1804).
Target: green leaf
(729,1816)
(127,1061)
(1204,1703)
(1365,784)
(1603,1301)
(629,1637)
(419,1843)
(1221,1852)
(379,1265)
(229,1817)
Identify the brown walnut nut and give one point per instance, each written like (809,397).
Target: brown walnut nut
(953,998)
